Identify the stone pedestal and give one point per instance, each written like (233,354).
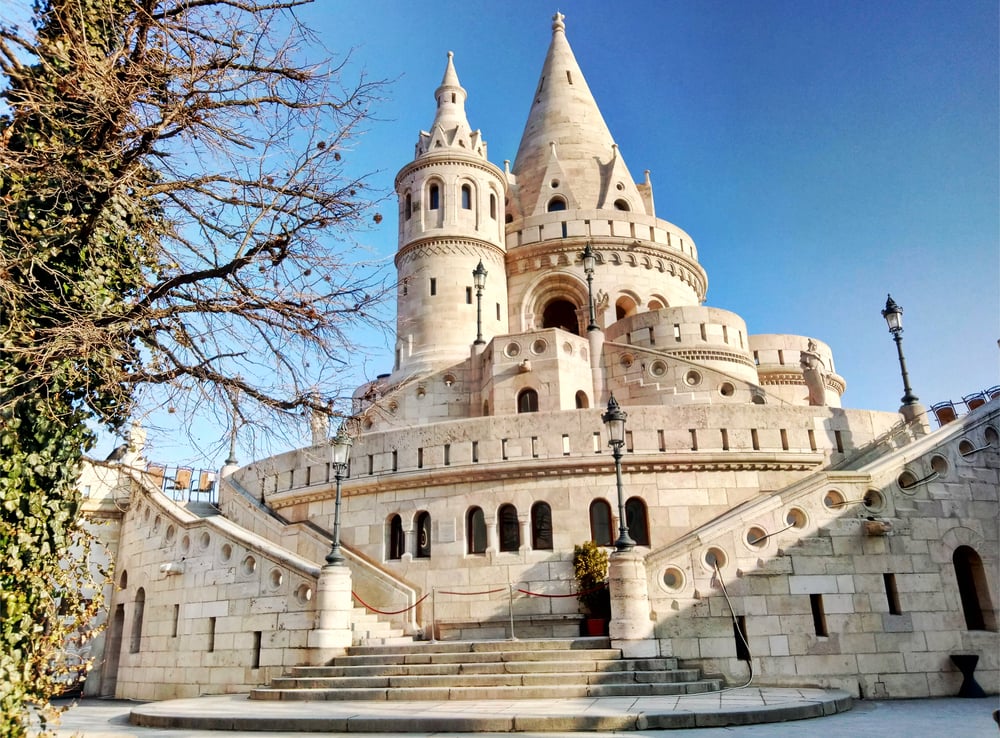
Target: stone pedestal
(631,627)
(332,634)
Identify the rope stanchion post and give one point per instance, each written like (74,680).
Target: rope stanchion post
(510,610)
(433,637)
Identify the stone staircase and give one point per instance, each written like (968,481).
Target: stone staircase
(368,630)
(486,670)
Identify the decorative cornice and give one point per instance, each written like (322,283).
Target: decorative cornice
(701,355)
(563,467)
(451,157)
(449,245)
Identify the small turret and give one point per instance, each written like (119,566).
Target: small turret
(450,219)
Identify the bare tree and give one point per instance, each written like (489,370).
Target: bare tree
(175,198)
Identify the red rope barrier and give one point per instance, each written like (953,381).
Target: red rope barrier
(554,597)
(469,594)
(385,612)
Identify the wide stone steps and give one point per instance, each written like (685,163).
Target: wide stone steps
(486,670)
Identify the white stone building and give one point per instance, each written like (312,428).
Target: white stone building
(854,548)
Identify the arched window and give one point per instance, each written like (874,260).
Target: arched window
(600,522)
(408,207)
(582,401)
(527,401)
(424,535)
(508,528)
(625,307)
(493,206)
(561,314)
(137,614)
(475,531)
(434,197)
(637,520)
(541,526)
(466,197)
(973,589)
(555,204)
(486,407)
(622,205)
(397,539)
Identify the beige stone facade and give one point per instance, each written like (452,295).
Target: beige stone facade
(853,548)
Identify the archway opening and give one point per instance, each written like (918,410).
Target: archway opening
(561,314)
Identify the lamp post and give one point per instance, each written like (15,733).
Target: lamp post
(479,279)
(589,262)
(341,452)
(893,315)
(614,419)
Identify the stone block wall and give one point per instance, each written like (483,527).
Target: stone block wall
(848,579)
(207,607)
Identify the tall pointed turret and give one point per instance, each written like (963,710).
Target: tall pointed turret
(566,150)
(450,219)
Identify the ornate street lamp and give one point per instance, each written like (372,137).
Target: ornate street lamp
(479,279)
(614,420)
(589,262)
(341,454)
(893,315)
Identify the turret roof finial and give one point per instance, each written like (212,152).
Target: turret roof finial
(557,22)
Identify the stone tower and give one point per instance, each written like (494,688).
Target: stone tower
(451,205)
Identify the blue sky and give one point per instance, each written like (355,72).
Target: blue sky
(821,154)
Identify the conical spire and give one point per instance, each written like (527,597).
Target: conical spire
(566,126)
(451,127)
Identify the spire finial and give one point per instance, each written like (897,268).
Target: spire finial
(557,22)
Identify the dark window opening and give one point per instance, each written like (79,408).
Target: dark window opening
(561,314)
(468,295)
(637,520)
(434,200)
(622,205)
(211,635)
(424,535)
(493,206)
(600,522)
(255,663)
(408,207)
(475,531)
(541,526)
(509,528)
(466,197)
(137,615)
(556,204)
(819,614)
(892,594)
(397,538)
(740,635)
(582,401)
(973,589)
(434,286)
(527,401)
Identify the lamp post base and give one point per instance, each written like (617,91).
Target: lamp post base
(332,635)
(631,628)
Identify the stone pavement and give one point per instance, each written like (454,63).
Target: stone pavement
(960,718)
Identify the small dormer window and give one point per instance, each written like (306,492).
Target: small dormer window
(622,205)
(556,204)
(408,207)
(453,97)
(493,206)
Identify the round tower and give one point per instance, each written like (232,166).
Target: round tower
(451,210)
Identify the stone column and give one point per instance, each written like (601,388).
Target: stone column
(596,339)
(631,627)
(332,634)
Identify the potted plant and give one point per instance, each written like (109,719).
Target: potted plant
(590,566)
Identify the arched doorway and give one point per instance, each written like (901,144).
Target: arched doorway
(561,313)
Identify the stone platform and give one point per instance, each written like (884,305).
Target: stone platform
(744,706)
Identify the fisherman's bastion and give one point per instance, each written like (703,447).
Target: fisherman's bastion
(757,529)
